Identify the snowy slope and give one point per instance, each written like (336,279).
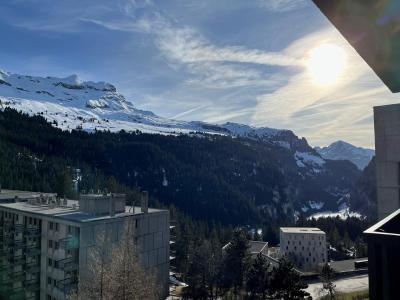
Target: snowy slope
(344,151)
(70,103)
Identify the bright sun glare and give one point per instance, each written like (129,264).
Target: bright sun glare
(326,63)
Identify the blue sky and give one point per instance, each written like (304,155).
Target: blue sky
(215,61)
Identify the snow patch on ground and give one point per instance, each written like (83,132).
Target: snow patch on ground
(343,213)
(304,158)
(344,285)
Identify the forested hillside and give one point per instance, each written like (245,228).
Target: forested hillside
(222,178)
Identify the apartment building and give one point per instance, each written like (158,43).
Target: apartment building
(45,242)
(387,147)
(305,247)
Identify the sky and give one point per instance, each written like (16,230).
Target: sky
(245,61)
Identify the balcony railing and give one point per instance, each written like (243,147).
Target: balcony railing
(32,285)
(17,276)
(71,242)
(32,232)
(67,264)
(32,251)
(17,260)
(67,284)
(32,268)
(16,244)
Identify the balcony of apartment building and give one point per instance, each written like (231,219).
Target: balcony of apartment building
(384,257)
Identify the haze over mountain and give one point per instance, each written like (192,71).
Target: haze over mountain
(341,150)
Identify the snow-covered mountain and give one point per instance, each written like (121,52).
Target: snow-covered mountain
(70,103)
(344,151)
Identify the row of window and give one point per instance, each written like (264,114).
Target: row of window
(54,226)
(313,237)
(15,218)
(53,244)
(309,243)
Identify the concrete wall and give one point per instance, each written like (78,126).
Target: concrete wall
(387,146)
(151,232)
(305,250)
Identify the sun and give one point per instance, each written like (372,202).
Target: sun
(326,64)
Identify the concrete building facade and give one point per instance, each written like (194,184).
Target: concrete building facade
(387,147)
(45,243)
(305,247)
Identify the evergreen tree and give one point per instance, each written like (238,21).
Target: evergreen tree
(327,277)
(286,283)
(258,277)
(236,262)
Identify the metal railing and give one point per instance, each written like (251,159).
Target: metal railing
(70,242)
(67,264)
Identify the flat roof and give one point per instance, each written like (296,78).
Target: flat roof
(301,230)
(11,194)
(388,107)
(71,211)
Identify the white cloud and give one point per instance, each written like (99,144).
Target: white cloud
(324,114)
(282,5)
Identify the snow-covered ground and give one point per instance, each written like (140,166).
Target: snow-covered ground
(344,285)
(342,214)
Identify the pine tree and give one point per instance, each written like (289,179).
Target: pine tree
(286,283)
(258,278)
(236,262)
(327,277)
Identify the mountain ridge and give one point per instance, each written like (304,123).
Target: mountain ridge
(341,150)
(71,105)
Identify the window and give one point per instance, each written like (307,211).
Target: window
(54,282)
(69,229)
(56,245)
(51,225)
(50,262)
(136,223)
(49,281)
(48,297)
(50,244)
(57,226)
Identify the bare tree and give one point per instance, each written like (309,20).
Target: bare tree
(114,271)
(327,277)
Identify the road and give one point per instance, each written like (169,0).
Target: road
(344,285)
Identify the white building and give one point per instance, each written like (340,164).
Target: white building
(305,247)
(44,242)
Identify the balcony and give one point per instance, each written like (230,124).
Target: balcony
(34,251)
(16,244)
(68,284)
(32,285)
(383,257)
(67,264)
(17,260)
(17,228)
(32,232)
(32,268)
(17,276)
(71,242)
